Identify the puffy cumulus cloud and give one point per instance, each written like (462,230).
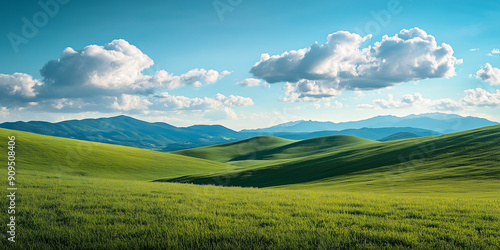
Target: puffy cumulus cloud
(446,104)
(133,104)
(17,87)
(130,102)
(306,90)
(234,100)
(105,78)
(195,77)
(473,98)
(494,52)
(113,69)
(341,63)
(249,82)
(65,103)
(328,104)
(338,104)
(481,98)
(407,100)
(489,74)
(171,102)
(117,65)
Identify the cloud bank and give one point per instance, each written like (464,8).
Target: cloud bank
(249,82)
(343,64)
(489,74)
(473,98)
(108,78)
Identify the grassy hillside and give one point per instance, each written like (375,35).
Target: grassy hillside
(61,155)
(399,136)
(367,133)
(242,149)
(72,212)
(272,148)
(464,163)
(83,195)
(305,148)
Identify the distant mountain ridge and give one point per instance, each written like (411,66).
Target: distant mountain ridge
(367,133)
(127,131)
(439,122)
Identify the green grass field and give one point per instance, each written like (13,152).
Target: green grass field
(462,164)
(83,195)
(81,212)
(82,158)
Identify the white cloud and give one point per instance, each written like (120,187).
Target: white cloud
(105,78)
(489,74)
(171,102)
(217,108)
(194,77)
(494,52)
(61,103)
(446,104)
(341,63)
(249,82)
(130,102)
(481,98)
(234,100)
(474,49)
(473,98)
(407,100)
(17,85)
(306,90)
(338,104)
(364,106)
(113,69)
(4,111)
(116,65)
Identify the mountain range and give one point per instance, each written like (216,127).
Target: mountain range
(127,131)
(439,122)
(341,162)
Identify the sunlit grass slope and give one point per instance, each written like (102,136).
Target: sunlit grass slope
(74,212)
(464,163)
(240,149)
(82,195)
(306,148)
(61,155)
(272,148)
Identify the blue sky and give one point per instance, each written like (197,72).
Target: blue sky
(180,61)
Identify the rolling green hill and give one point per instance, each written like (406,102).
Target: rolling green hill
(399,136)
(77,194)
(464,163)
(68,156)
(228,151)
(272,148)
